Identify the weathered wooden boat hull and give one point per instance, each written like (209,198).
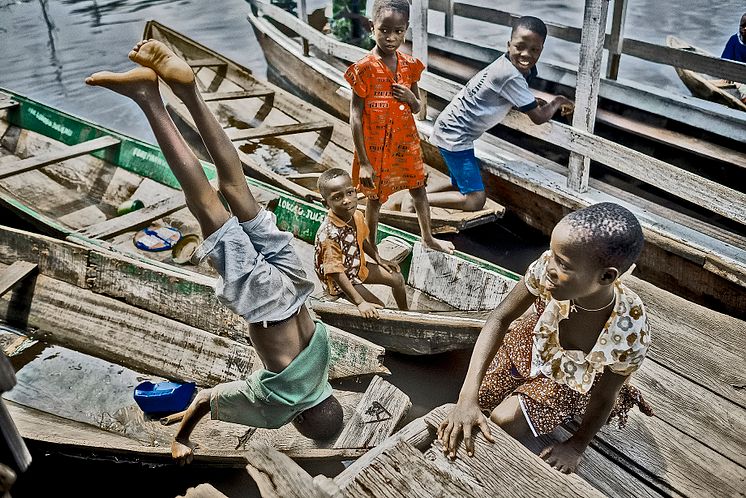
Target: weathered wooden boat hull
(70,303)
(699,85)
(273,112)
(671,261)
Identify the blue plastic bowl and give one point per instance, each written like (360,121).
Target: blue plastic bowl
(164,397)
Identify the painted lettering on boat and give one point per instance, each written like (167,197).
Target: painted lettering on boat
(148,156)
(301,211)
(47,121)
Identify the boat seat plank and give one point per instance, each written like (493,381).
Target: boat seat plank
(220,96)
(375,417)
(273,131)
(15,273)
(116,226)
(205,62)
(7,104)
(35,162)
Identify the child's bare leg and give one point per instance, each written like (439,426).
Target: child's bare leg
(372,212)
(453,199)
(379,275)
(368,295)
(179,76)
(182,449)
(422,208)
(141,85)
(509,416)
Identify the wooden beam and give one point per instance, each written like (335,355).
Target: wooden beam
(130,221)
(206,62)
(586,91)
(36,162)
(247,94)
(303,16)
(273,131)
(378,413)
(7,104)
(14,274)
(419,45)
(448,11)
(616,41)
(277,476)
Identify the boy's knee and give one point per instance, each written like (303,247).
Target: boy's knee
(321,422)
(475,200)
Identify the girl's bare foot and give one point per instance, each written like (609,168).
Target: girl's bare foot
(138,84)
(157,56)
(439,245)
(183,452)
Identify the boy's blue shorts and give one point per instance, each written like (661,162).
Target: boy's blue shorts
(464,169)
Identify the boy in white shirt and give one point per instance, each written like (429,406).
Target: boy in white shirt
(482,104)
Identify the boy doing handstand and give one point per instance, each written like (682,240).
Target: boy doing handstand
(482,104)
(573,353)
(261,278)
(341,245)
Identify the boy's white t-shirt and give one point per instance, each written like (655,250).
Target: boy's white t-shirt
(483,103)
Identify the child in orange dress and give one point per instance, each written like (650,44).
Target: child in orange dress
(387,146)
(572,355)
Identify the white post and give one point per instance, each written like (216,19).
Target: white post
(418,23)
(449,18)
(586,90)
(617,38)
(303,16)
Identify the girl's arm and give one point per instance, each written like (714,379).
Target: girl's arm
(368,310)
(409,96)
(565,456)
(466,414)
(357,105)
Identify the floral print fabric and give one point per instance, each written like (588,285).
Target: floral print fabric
(621,345)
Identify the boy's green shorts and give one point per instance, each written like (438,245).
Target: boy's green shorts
(271,400)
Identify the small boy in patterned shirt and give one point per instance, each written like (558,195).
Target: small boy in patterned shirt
(341,245)
(572,355)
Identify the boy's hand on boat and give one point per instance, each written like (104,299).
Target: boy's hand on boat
(369,310)
(462,420)
(403,94)
(183,452)
(366,175)
(563,456)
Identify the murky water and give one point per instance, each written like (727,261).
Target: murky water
(49,47)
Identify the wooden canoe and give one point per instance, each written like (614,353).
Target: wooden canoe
(263,119)
(698,84)
(77,198)
(77,395)
(685,253)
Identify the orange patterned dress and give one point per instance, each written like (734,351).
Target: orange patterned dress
(391,139)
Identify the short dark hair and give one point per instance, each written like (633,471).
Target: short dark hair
(321,422)
(379,6)
(328,176)
(531,23)
(611,233)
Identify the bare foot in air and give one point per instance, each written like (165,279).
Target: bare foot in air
(138,84)
(439,245)
(183,452)
(161,59)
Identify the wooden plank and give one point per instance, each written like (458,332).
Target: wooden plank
(382,407)
(205,62)
(245,94)
(13,274)
(277,476)
(403,472)
(616,40)
(36,162)
(448,19)
(419,45)
(203,490)
(459,283)
(135,219)
(274,131)
(7,104)
(586,90)
(109,329)
(12,440)
(55,258)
